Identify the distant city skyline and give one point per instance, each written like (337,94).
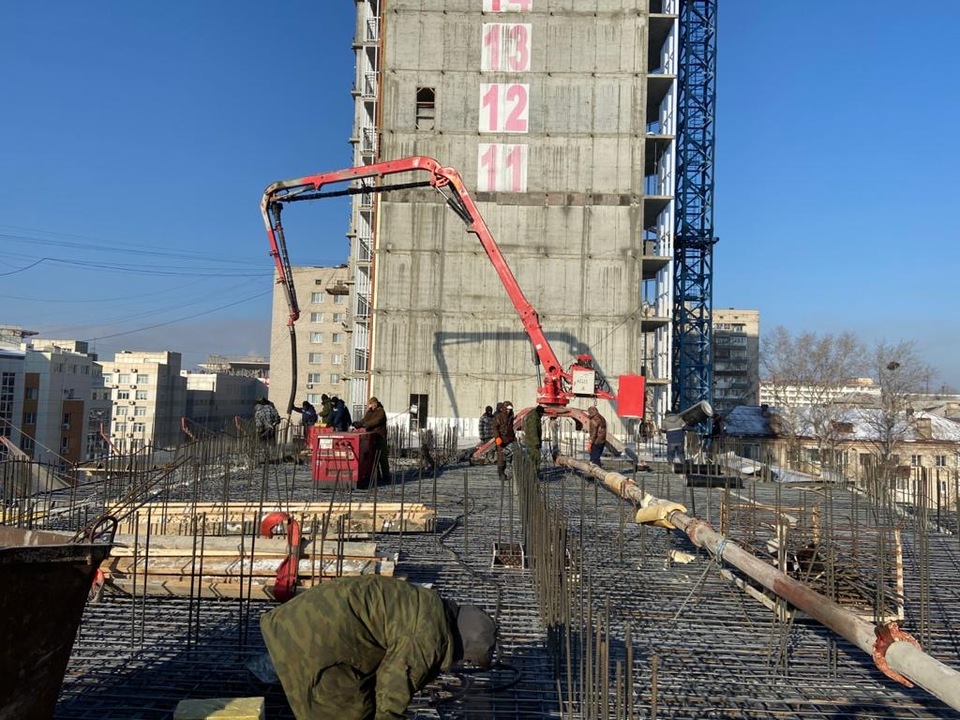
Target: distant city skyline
(143,137)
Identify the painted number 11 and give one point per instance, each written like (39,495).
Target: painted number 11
(501,168)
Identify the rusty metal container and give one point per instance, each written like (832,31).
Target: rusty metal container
(45,580)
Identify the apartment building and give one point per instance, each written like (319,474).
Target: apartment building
(736,358)
(149,399)
(323,338)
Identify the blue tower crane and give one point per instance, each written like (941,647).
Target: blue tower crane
(692,359)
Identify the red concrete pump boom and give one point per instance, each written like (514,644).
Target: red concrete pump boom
(557,387)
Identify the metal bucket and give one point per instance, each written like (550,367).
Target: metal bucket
(45,580)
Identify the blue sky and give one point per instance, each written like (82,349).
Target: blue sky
(136,140)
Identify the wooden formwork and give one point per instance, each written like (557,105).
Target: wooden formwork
(217,518)
(214,550)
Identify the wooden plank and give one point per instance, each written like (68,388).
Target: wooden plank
(354,523)
(226,587)
(220,567)
(308,508)
(179,545)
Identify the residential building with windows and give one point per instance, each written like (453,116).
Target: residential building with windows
(149,399)
(323,338)
(925,464)
(45,396)
(736,358)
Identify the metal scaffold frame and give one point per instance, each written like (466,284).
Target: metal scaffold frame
(693,249)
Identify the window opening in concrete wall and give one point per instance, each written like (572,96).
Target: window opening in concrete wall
(426,108)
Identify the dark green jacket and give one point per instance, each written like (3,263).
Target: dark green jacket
(532,430)
(358,647)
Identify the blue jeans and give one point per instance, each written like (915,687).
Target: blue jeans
(596,450)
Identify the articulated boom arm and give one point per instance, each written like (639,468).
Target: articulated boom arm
(447,182)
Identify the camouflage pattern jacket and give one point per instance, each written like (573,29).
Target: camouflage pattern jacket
(378,638)
(532,430)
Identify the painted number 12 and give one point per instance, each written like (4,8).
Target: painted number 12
(504,107)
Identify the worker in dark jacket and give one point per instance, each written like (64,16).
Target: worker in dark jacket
(533,433)
(308,413)
(374,420)
(596,434)
(340,416)
(505,437)
(358,648)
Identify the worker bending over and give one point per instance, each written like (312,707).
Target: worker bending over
(358,648)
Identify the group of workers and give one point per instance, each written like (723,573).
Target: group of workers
(333,413)
(499,426)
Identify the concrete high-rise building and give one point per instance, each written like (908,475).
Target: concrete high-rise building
(562,124)
(736,359)
(149,399)
(323,338)
(215,399)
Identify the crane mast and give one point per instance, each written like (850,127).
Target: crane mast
(692,358)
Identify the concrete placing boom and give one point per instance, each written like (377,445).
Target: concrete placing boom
(558,385)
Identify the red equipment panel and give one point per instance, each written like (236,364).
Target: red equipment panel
(630,399)
(344,457)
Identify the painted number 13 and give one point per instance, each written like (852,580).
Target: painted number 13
(505,47)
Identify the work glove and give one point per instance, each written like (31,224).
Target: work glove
(589,446)
(357,424)
(656,514)
(499,441)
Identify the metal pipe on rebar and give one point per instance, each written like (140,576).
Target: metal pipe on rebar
(892,649)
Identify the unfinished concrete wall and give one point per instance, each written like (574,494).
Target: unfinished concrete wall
(443,323)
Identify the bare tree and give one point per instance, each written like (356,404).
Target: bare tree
(901,375)
(806,374)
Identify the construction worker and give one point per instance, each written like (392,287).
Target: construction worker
(533,433)
(308,413)
(358,648)
(266,418)
(596,434)
(326,407)
(374,420)
(485,425)
(340,419)
(505,437)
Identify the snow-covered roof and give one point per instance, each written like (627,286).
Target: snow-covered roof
(751,421)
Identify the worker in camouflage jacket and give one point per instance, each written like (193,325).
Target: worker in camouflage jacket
(533,433)
(505,437)
(358,648)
